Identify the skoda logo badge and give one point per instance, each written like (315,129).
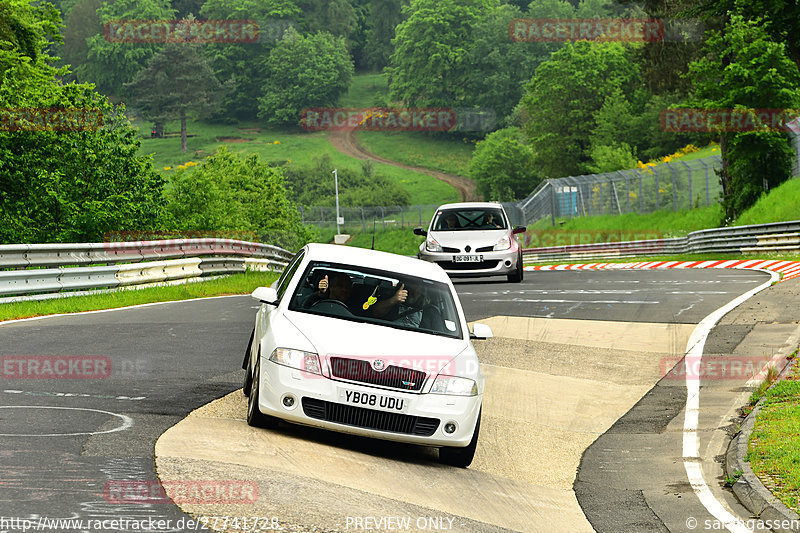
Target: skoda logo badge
(378,365)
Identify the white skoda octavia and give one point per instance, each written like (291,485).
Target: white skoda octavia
(369,343)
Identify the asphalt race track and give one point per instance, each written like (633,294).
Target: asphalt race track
(62,441)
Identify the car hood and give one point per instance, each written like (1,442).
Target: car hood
(333,337)
(473,238)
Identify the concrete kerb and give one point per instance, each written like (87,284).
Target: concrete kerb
(749,490)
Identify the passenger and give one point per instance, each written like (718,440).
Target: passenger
(404,306)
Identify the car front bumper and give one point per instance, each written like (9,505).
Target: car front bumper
(319,401)
(493,264)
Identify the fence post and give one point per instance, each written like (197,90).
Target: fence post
(708,193)
(402,219)
(641,191)
(674,187)
(302,214)
(553,203)
(658,191)
(689,177)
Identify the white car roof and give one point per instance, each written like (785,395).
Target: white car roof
(468,205)
(337,253)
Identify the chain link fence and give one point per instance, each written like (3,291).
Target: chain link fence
(677,186)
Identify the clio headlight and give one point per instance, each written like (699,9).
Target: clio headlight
(503,244)
(432,245)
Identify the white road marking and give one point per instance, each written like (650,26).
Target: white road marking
(43,317)
(691,455)
(127,422)
(532,300)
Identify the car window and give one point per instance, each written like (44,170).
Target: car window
(469,219)
(366,295)
(288,273)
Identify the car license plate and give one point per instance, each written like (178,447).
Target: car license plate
(374,401)
(467,258)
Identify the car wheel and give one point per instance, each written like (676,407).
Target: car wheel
(461,457)
(248,377)
(516,277)
(255,417)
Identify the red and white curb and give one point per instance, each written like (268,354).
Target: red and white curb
(787,269)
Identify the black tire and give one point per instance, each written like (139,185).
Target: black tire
(255,417)
(247,384)
(461,457)
(517,276)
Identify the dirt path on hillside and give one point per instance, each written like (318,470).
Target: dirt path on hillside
(346,142)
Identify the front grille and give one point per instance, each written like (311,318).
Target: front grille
(484,249)
(478,265)
(394,377)
(369,418)
(449,250)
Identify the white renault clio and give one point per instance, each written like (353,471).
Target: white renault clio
(369,343)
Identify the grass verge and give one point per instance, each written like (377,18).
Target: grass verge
(396,241)
(243,283)
(774,447)
(664,223)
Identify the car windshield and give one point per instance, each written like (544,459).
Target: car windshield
(469,219)
(377,297)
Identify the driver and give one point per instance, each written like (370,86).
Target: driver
(334,286)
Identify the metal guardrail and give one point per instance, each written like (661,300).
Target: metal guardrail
(47,268)
(757,238)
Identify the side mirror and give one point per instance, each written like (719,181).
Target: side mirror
(421,232)
(481,331)
(519,229)
(267,295)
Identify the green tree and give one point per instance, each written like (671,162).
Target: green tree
(503,166)
(383,17)
(112,64)
(563,97)
(244,63)
(499,66)
(304,71)
(80,24)
(232,192)
(177,80)
(64,185)
(744,69)
(430,65)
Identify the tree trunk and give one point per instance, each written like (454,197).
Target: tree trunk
(183,131)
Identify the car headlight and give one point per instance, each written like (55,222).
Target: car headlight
(432,246)
(306,361)
(503,244)
(454,385)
